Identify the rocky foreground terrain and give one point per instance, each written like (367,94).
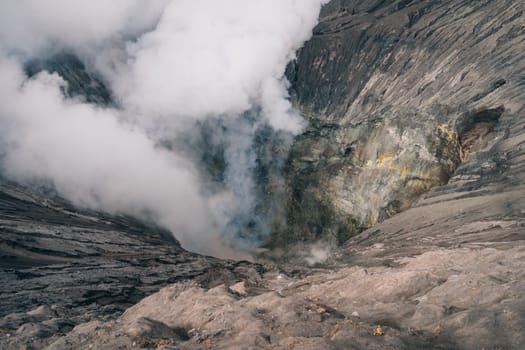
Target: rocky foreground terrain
(417,125)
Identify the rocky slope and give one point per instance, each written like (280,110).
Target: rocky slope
(399,93)
(416,133)
(72,266)
(442,299)
(61,266)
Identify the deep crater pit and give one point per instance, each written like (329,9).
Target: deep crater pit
(320,187)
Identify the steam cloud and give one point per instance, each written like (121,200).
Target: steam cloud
(169,65)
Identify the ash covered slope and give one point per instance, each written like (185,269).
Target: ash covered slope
(399,95)
(61,265)
(448,273)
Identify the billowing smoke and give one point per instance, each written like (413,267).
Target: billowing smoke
(171,66)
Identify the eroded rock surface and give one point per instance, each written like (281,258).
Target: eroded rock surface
(398,94)
(457,298)
(416,109)
(60,266)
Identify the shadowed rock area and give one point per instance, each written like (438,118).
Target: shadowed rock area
(411,174)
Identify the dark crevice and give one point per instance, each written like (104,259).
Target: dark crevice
(474,126)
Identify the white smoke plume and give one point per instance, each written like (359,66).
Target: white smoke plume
(168,64)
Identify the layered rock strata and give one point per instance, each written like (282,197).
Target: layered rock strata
(399,94)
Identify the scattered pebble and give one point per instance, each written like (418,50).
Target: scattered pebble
(379,331)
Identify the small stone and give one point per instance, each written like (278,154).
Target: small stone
(162,342)
(42,310)
(379,331)
(355,314)
(239,288)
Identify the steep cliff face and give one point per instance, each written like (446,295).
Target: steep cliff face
(398,95)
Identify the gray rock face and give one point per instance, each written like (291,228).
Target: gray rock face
(60,266)
(399,94)
(82,83)
(416,109)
